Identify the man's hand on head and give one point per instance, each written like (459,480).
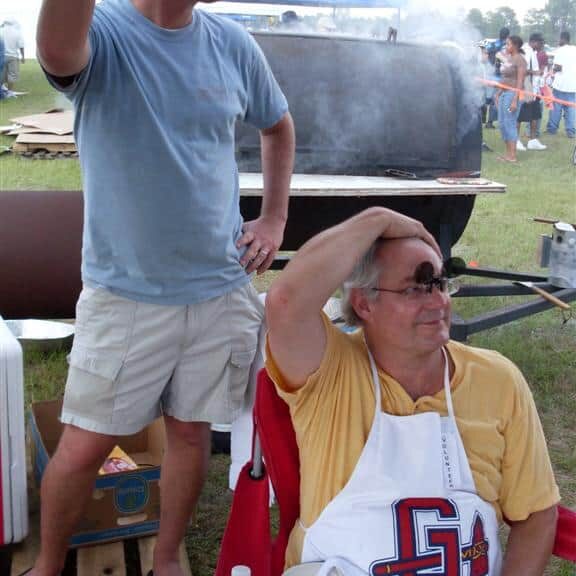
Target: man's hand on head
(400,226)
(262,238)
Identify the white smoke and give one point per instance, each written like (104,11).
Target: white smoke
(423,24)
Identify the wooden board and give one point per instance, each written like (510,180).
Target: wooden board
(329,185)
(49,147)
(146,550)
(103,560)
(24,554)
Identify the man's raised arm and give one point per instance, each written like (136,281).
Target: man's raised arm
(296,332)
(62,36)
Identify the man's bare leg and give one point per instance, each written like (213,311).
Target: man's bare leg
(184,470)
(66,487)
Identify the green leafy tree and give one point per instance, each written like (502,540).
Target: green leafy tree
(562,15)
(476,19)
(502,17)
(538,21)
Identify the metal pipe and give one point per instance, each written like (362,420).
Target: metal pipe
(473,290)
(257,460)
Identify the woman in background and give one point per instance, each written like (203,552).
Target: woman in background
(513,72)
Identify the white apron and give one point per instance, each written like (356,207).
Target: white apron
(410,507)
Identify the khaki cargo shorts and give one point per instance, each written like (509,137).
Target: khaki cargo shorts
(132,361)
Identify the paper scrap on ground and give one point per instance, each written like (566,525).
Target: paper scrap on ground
(10,128)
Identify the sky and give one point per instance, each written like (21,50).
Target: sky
(26,11)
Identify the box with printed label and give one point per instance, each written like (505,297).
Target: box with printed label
(124,504)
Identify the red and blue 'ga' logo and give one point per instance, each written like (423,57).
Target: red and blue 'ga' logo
(442,549)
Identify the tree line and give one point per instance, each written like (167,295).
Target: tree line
(557,15)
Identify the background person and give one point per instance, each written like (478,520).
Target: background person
(493,50)
(167,322)
(13,52)
(543,64)
(289,19)
(564,87)
(531,109)
(513,71)
(487,69)
(402,433)
(1,67)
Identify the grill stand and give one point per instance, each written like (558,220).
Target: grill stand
(462,328)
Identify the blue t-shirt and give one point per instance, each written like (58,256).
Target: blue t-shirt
(154,125)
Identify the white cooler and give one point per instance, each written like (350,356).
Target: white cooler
(13,496)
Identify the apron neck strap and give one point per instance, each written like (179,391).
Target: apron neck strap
(447,391)
(376,381)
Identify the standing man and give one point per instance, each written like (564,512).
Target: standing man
(531,110)
(543,65)
(167,321)
(13,53)
(564,87)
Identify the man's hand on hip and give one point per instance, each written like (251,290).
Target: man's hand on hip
(262,237)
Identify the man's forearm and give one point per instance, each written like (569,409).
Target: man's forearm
(277,164)
(530,544)
(62,35)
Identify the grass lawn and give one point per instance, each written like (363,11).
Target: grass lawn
(500,234)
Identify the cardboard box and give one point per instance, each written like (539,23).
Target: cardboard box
(124,504)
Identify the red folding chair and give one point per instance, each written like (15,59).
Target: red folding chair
(565,543)
(247,539)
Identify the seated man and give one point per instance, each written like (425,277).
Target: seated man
(412,447)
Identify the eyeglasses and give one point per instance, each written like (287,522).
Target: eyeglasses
(441,283)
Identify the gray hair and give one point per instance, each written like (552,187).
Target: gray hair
(364,277)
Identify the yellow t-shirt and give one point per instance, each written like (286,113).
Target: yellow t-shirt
(495,413)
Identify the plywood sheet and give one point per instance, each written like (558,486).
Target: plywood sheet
(103,560)
(335,185)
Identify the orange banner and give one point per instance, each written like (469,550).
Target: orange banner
(546,98)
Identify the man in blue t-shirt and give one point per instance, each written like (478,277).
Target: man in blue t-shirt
(167,321)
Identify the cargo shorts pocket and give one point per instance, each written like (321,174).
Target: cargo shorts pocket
(240,363)
(91,384)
